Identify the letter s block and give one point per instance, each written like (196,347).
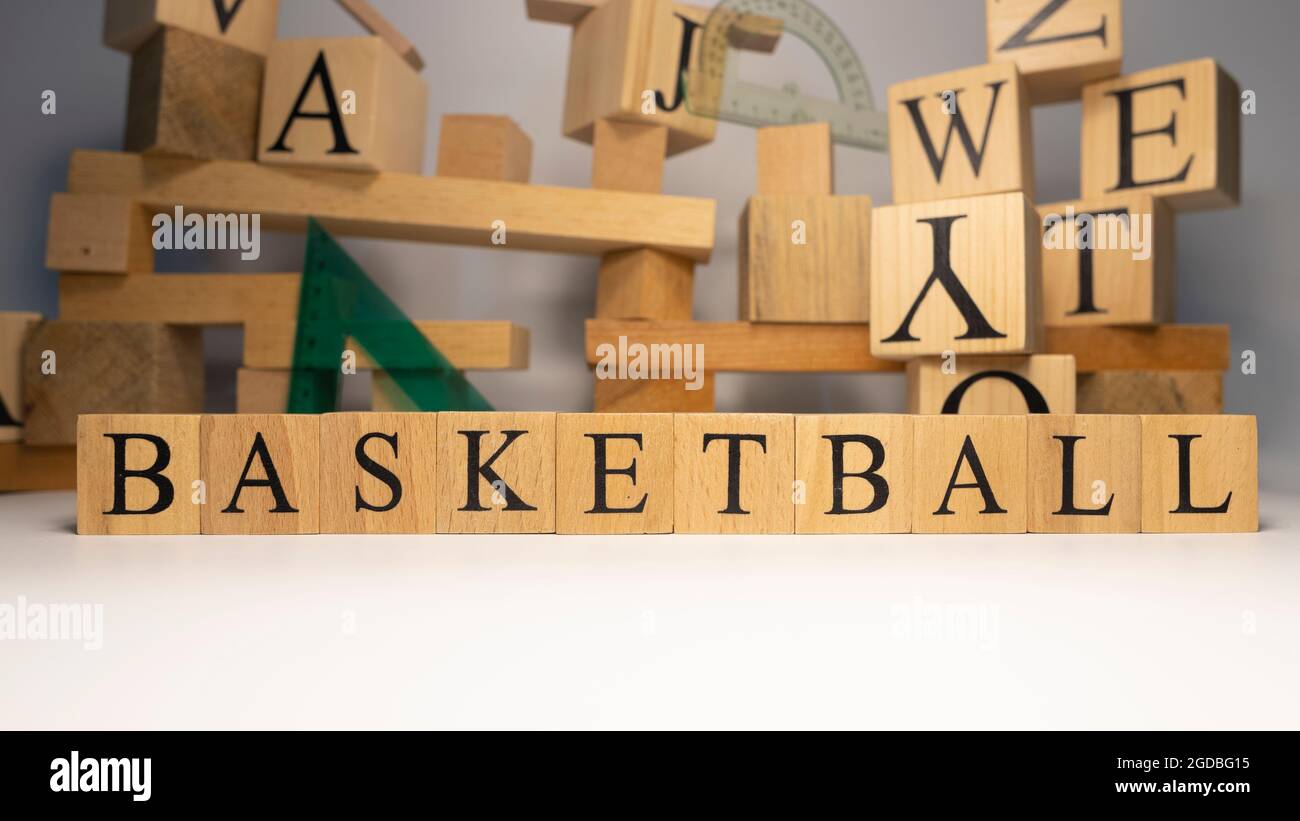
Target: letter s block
(1058,45)
(856,473)
(1200,474)
(496,472)
(614,473)
(261,472)
(734,473)
(377,472)
(992,385)
(136,474)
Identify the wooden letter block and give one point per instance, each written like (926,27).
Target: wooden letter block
(734,473)
(1085,474)
(1059,45)
(961,133)
(100,234)
(614,473)
(246,24)
(342,103)
(796,159)
(192,96)
(484,147)
(377,472)
(14,329)
(992,385)
(805,259)
(969,474)
(1200,474)
(1143,392)
(955,275)
(261,473)
(855,473)
(136,474)
(1172,132)
(625,63)
(496,472)
(1108,261)
(72,368)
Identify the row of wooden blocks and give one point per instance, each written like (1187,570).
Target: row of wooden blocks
(663,473)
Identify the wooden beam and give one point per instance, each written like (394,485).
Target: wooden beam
(469,345)
(180,299)
(25,467)
(1147,348)
(407,206)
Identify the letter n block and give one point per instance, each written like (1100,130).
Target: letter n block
(961,133)
(1085,473)
(955,275)
(1059,45)
(853,473)
(136,474)
(992,385)
(1172,132)
(734,473)
(496,472)
(261,473)
(969,474)
(614,473)
(1200,474)
(246,24)
(377,472)
(343,103)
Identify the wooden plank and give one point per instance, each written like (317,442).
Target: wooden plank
(406,206)
(98,233)
(375,23)
(470,345)
(181,299)
(24,467)
(1151,392)
(1157,348)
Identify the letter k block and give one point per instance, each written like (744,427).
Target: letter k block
(496,472)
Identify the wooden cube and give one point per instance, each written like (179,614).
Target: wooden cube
(1108,261)
(193,96)
(855,471)
(992,385)
(644,284)
(1200,474)
(342,103)
(98,233)
(1173,132)
(496,472)
(796,159)
(614,473)
(969,474)
(625,64)
(628,156)
(955,275)
(24,467)
(262,390)
(484,147)
(1196,392)
(72,368)
(377,472)
(959,134)
(261,473)
(14,329)
(246,24)
(734,473)
(137,474)
(1085,474)
(1058,46)
(654,395)
(805,258)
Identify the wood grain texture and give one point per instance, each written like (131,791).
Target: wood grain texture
(796,159)
(250,24)
(653,396)
(1079,43)
(24,467)
(260,390)
(484,147)
(1215,489)
(408,207)
(171,470)
(525,502)
(98,233)
(1158,348)
(377,24)
(181,299)
(1151,392)
(353,498)
(1007,161)
(467,344)
(942,458)
(644,284)
(15,327)
(751,492)
(1108,451)
(988,384)
(290,447)
(1205,143)
(857,505)
(640,501)
(628,156)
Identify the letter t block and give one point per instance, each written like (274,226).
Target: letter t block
(734,473)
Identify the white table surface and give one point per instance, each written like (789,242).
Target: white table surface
(1124,632)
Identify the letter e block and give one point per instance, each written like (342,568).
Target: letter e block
(614,473)
(1059,45)
(1200,474)
(261,473)
(734,473)
(377,472)
(855,473)
(496,472)
(992,385)
(136,474)
(969,474)
(1085,473)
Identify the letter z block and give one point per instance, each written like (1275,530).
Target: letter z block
(261,473)
(992,385)
(1200,474)
(377,472)
(1059,45)
(969,474)
(855,473)
(496,472)
(614,473)
(734,473)
(136,474)
(1085,473)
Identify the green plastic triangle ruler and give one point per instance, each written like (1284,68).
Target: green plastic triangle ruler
(339,302)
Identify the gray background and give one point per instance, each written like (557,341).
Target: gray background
(484,56)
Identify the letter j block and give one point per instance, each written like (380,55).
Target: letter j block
(136,474)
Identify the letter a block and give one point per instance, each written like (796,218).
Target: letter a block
(1200,474)
(969,474)
(614,473)
(377,472)
(136,474)
(1058,45)
(1172,132)
(342,103)
(992,385)
(955,275)
(1085,473)
(261,474)
(496,472)
(855,473)
(961,133)
(734,473)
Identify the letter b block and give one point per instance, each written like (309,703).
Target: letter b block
(1200,474)
(614,473)
(496,472)
(136,474)
(969,474)
(855,473)
(261,473)
(377,472)
(734,473)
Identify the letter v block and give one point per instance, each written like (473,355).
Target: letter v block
(261,473)
(614,473)
(1200,474)
(245,24)
(1085,473)
(377,472)
(496,472)
(853,473)
(136,474)
(961,133)
(734,473)
(955,275)
(992,385)
(969,474)
(1058,45)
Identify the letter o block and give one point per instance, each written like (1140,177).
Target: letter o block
(992,385)
(734,473)
(136,474)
